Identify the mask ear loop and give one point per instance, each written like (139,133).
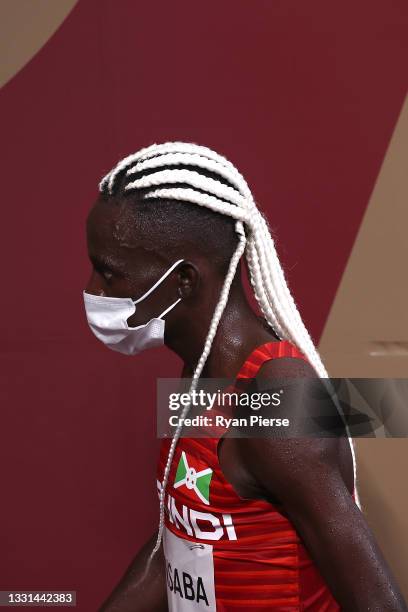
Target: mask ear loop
(169,308)
(161,279)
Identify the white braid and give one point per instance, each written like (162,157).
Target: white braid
(265,271)
(153,150)
(202,199)
(192,178)
(191,159)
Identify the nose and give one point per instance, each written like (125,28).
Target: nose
(94,285)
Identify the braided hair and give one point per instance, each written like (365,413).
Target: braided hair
(188,173)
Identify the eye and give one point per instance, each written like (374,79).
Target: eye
(102,271)
(107,275)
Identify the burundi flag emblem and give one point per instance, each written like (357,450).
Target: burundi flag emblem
(199,482)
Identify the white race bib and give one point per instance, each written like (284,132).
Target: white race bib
(189,574)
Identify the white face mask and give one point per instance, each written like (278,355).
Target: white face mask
(107,318)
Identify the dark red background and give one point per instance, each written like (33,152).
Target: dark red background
(301,96)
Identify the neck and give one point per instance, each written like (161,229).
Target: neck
(239,331)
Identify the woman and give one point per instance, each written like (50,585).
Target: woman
(245,523)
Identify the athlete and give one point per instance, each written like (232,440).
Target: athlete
(246,523)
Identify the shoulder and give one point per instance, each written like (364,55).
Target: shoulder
(285,366)
(290,369)
(313,425)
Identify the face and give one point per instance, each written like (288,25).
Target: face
(121,267)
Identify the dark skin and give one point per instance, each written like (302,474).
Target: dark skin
(310,480)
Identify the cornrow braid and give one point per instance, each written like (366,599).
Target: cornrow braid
(230,196)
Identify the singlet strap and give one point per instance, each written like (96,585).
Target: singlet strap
(265,352)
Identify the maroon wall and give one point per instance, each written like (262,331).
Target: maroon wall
(302,97)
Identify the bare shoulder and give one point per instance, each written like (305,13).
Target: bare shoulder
(290,367)
(304,398)
(314,440)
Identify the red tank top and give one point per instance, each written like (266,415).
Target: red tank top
(228,553)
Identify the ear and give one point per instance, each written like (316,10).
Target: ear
(188,279)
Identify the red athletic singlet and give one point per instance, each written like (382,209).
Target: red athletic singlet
(225,553)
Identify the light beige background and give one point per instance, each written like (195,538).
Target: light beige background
(366,335)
